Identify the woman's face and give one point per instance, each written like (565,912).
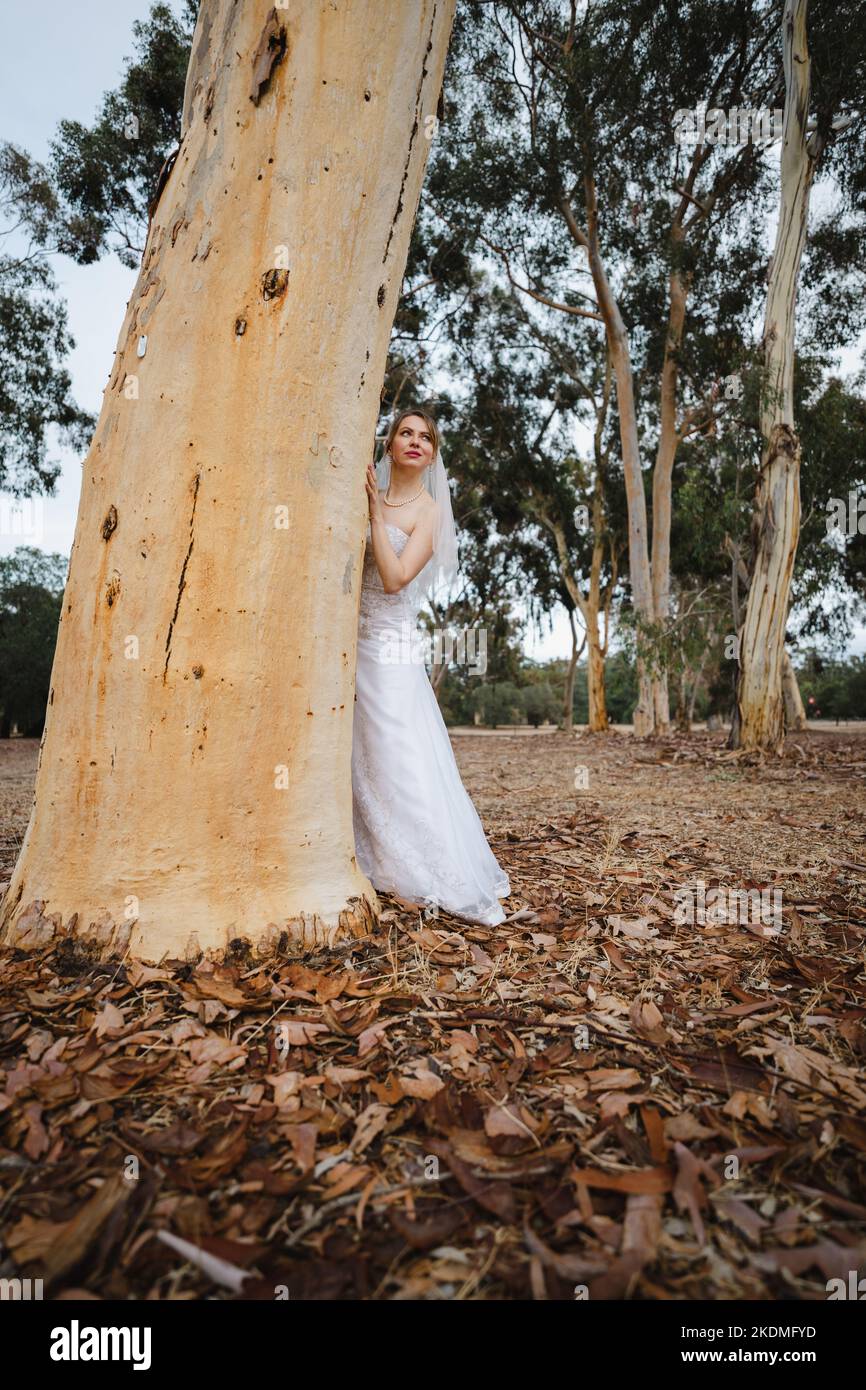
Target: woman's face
(412,445)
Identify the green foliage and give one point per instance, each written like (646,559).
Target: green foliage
(540,704)
(35,388)
(499,702)
(31,594)
(620,689)
(534,695)
(833,689)
(106,174)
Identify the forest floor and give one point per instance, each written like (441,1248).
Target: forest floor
(597,1098)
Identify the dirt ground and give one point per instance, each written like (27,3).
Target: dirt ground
(601,1097)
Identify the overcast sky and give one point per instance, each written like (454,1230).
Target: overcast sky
(57,59)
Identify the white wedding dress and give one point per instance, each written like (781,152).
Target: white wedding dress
(417,833)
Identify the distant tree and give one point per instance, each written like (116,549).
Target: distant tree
(540,704)
(501,702)
(35,388)
(31,594)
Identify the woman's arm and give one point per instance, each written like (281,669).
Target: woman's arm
(398,570)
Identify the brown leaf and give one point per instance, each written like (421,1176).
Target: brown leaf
(655,1133)
(496,1197)
(373,1035)
(303,1139)
(834,1261)
(299,1032)
(420,1081)
(37,1141)
(370,1122)
(646,1180)
(110,1021)
(507,1119)
(325,986)
(688,1193)
(567,1266)
(203,986)
(285,1084)
(743,1216)
(613,1078)
(686,1126)
(726,1072)
(852,1129)
(224,1154)
(215,1049)
(615,1281)
(434,1230)
(30,1238)
(647,1019)
(176,1138)
(80,1234)
(614,955)
(642,1226)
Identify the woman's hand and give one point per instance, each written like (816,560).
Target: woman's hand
(373,499)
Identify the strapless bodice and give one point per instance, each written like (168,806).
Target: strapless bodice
(382,613)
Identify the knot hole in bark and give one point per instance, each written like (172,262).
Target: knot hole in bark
(270,50)
(274,283)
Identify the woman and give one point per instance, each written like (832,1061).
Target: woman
(417,832)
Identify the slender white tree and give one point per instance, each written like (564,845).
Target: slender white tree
(760,714)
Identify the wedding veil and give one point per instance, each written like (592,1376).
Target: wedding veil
(441,569)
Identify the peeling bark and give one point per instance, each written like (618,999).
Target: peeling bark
(759,722)
(270,50)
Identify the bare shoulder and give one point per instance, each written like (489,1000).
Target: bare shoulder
(430,512)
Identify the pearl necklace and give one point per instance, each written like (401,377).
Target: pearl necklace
(407,500)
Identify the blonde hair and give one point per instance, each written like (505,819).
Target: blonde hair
(425,416)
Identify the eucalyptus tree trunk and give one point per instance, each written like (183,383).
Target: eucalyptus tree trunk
(194,778)
(592,605)
(568,694)
(760,714)
(795,711)
(679,283)
(638,534)
(598,719)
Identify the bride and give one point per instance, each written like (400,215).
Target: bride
(417,833)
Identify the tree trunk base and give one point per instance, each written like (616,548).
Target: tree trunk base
(31,928)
